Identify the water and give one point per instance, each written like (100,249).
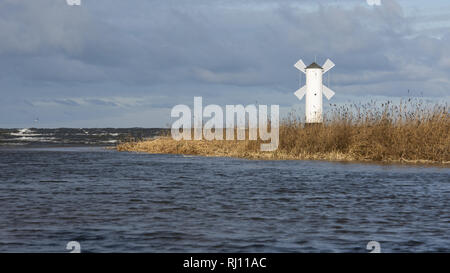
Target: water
(74,136)
(110,201)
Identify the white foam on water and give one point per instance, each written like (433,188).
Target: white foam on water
(11,144)
(25,132)
(110,141)
(37,139)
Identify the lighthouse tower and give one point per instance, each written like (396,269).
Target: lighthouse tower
(314,89)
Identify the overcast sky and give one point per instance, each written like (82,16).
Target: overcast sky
(115,63)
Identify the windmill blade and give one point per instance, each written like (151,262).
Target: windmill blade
(300,65)
(327,92)
(327,65)
(300,93)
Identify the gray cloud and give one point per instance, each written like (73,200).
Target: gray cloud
(168,51)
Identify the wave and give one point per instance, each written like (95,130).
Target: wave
(75,136)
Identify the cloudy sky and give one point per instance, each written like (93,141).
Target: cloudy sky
(115,63)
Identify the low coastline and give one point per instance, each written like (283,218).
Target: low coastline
(406,133)
(239,149)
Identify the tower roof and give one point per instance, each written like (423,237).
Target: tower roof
(314,65)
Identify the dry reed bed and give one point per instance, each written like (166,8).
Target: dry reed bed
(409,132)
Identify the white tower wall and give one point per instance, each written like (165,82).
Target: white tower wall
(314,89)
(314,95)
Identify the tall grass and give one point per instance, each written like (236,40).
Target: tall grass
(409,131)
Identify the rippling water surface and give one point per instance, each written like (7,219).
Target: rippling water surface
(26,137)
(127,202)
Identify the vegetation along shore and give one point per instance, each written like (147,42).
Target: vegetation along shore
(407,132)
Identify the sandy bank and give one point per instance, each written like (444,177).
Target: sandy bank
(243,149)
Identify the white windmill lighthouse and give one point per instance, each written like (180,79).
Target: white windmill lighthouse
(314,89)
